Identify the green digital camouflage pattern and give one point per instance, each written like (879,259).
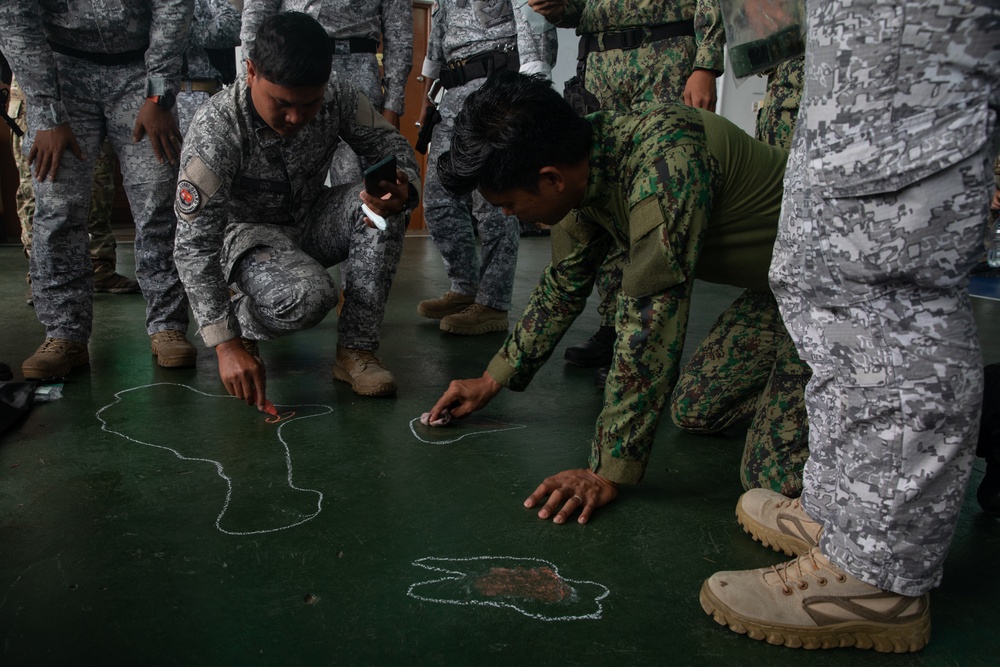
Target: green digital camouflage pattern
(747,368)
(670,184)
(780,107)
(102,238)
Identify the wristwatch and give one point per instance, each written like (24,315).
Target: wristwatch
(164,101)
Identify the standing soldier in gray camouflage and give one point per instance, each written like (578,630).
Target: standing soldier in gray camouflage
(636,53)
(355,28)
(747,368)
(91,70)
(689,193)
(254,213)
(470,40)
(216,25)
(882,221)
(102,244)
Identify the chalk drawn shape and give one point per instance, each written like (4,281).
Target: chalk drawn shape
(459,429)
(261,495)
(530,586)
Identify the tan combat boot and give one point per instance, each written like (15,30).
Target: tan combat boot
(448,304)
(55,358)
(475,320)
(172,349)
(811,603)
(777,522)
(106,279)
(364,372)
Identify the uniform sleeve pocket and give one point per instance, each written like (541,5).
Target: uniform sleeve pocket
(652,265)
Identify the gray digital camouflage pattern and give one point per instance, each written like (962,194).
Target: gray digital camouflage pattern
(235,202)
(102,242)
(885,203)
(691,195)
(216,25)
(98,101)
(388,21)
(457,33)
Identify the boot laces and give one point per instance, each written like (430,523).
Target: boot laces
(171,336)
(792,573)
(56,345)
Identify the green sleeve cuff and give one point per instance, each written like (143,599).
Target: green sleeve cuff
(620,471)
(501,371)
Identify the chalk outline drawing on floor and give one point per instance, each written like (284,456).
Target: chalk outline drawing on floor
(507,427)
(218,466)
(457,575)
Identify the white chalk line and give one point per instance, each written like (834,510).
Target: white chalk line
(508,427)
(218,465)
(456,575)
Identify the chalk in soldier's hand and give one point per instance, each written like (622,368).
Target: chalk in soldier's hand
(269,408)
(442,420)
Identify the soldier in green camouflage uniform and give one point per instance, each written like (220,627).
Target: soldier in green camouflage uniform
(680,68)
(747,367)
(102,238)
(686,191)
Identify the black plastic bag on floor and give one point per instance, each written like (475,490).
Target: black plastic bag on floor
(16,399)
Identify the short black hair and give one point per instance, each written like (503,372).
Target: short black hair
(292,49)
(510,128)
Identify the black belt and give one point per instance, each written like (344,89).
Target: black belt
(344,46)
(478,67)
(123,58)
(633,38)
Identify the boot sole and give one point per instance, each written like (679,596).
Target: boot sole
(884,638)
(35,373)
(786,544)
(484,328)
(384,389)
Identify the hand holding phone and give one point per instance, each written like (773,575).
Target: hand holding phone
(383,170)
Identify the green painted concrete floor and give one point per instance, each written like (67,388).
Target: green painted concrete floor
(145,520)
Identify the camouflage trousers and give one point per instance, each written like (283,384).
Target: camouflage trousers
(626,80)
(746,368)
(102,101)
(102,238)
(362,70)
(489,273)
(284,286)
(780,106)
(188,102)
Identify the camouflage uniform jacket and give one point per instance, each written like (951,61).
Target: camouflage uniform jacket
(159,27)
(662,184)
(388,21)
(598,16)
(461,30)
(216,25)
(242,185)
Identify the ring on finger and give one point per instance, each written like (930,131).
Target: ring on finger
(579,499)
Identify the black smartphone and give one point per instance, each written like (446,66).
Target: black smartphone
(383,170)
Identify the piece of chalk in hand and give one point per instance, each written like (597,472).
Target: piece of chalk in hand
(443,420)
(373,216)
(269,408)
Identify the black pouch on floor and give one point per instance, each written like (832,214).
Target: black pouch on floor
(16,399)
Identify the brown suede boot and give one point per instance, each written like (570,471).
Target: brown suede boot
(811,603)
(106,279)
(447,304)
(55,358)
(172,349)
(475,320)
(777,522)
(364,372)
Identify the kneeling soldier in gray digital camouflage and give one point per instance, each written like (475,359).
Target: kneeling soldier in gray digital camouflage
(257,228)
